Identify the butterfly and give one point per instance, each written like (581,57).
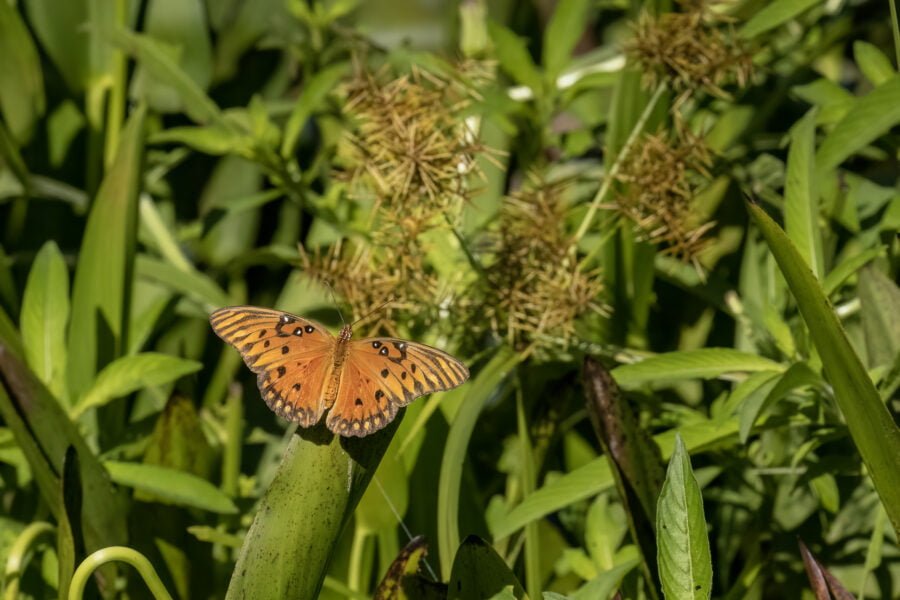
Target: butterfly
(302,370)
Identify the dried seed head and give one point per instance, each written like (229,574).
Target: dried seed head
(533,285)
(412,146)
(661,176)
(694,50)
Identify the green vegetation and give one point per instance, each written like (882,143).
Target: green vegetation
(662,236)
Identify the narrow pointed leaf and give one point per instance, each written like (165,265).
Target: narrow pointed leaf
(171,485)
(101,291)
(685,566)
(870,424)
(801,194)
(45,314)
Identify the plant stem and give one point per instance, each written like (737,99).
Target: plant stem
(600,197)
(117,553)
(20,552)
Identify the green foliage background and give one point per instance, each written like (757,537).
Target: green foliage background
(703,199)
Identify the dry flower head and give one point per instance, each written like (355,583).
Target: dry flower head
(661,176)
(693,50)
(534,286)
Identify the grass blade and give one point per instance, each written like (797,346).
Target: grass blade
(871,426)
(801,194)
(101,292)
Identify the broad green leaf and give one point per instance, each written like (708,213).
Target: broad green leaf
(596,477)
(872,62)
(774,14)
(171,485)
(476,394)
(801,194)
(149,54)
(706,363)
(45,314)
(103,277)
(193,284)
(300,519)
(685,564)
(313,95)
(512,53)
(880,310)
(181,24)
(479,572)
(871,426)
(60,28)
(210,139)
(131,373)
(871,116)
(21,81)
(562,33)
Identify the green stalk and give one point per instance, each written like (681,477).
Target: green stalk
(300,519)
(20,552)
(117,553)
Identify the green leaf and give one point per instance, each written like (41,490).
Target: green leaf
(603,585)
(300,519)
(851,265)
(596,477)
(876,67)
(210,139)
(880,298)
(44,432)
(171,485)
(798,375)
(706,363)
(149,53)
(131,373)
(512,53)
(871,116)
(180,25)
(103,277)
(313,95)
(45,314)
(871,426)
(59,27)
(801,194)
(193,284)
(479,572)
(21,82)
(774,14)
(570,17)
(476,393)
(685,565)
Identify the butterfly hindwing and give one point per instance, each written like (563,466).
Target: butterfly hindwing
(291,356)
(383,374)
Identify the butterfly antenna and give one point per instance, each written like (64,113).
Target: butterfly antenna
(337,307)
(406,530)
(373,311)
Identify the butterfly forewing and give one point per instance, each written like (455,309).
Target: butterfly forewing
(383,374)
(291,356)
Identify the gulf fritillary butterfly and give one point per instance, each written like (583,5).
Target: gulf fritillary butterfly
(302,370)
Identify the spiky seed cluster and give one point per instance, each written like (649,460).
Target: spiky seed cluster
(661,176)
(365,279)
(694,50)
(534,287)
(411,148)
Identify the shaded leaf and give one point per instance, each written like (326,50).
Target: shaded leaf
(22,100)
(880,298)
(824,585)
(171,485)
(479,572)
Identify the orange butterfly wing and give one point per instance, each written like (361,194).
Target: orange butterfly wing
(292,357)
(381,375)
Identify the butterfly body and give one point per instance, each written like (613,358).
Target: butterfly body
(303,371)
